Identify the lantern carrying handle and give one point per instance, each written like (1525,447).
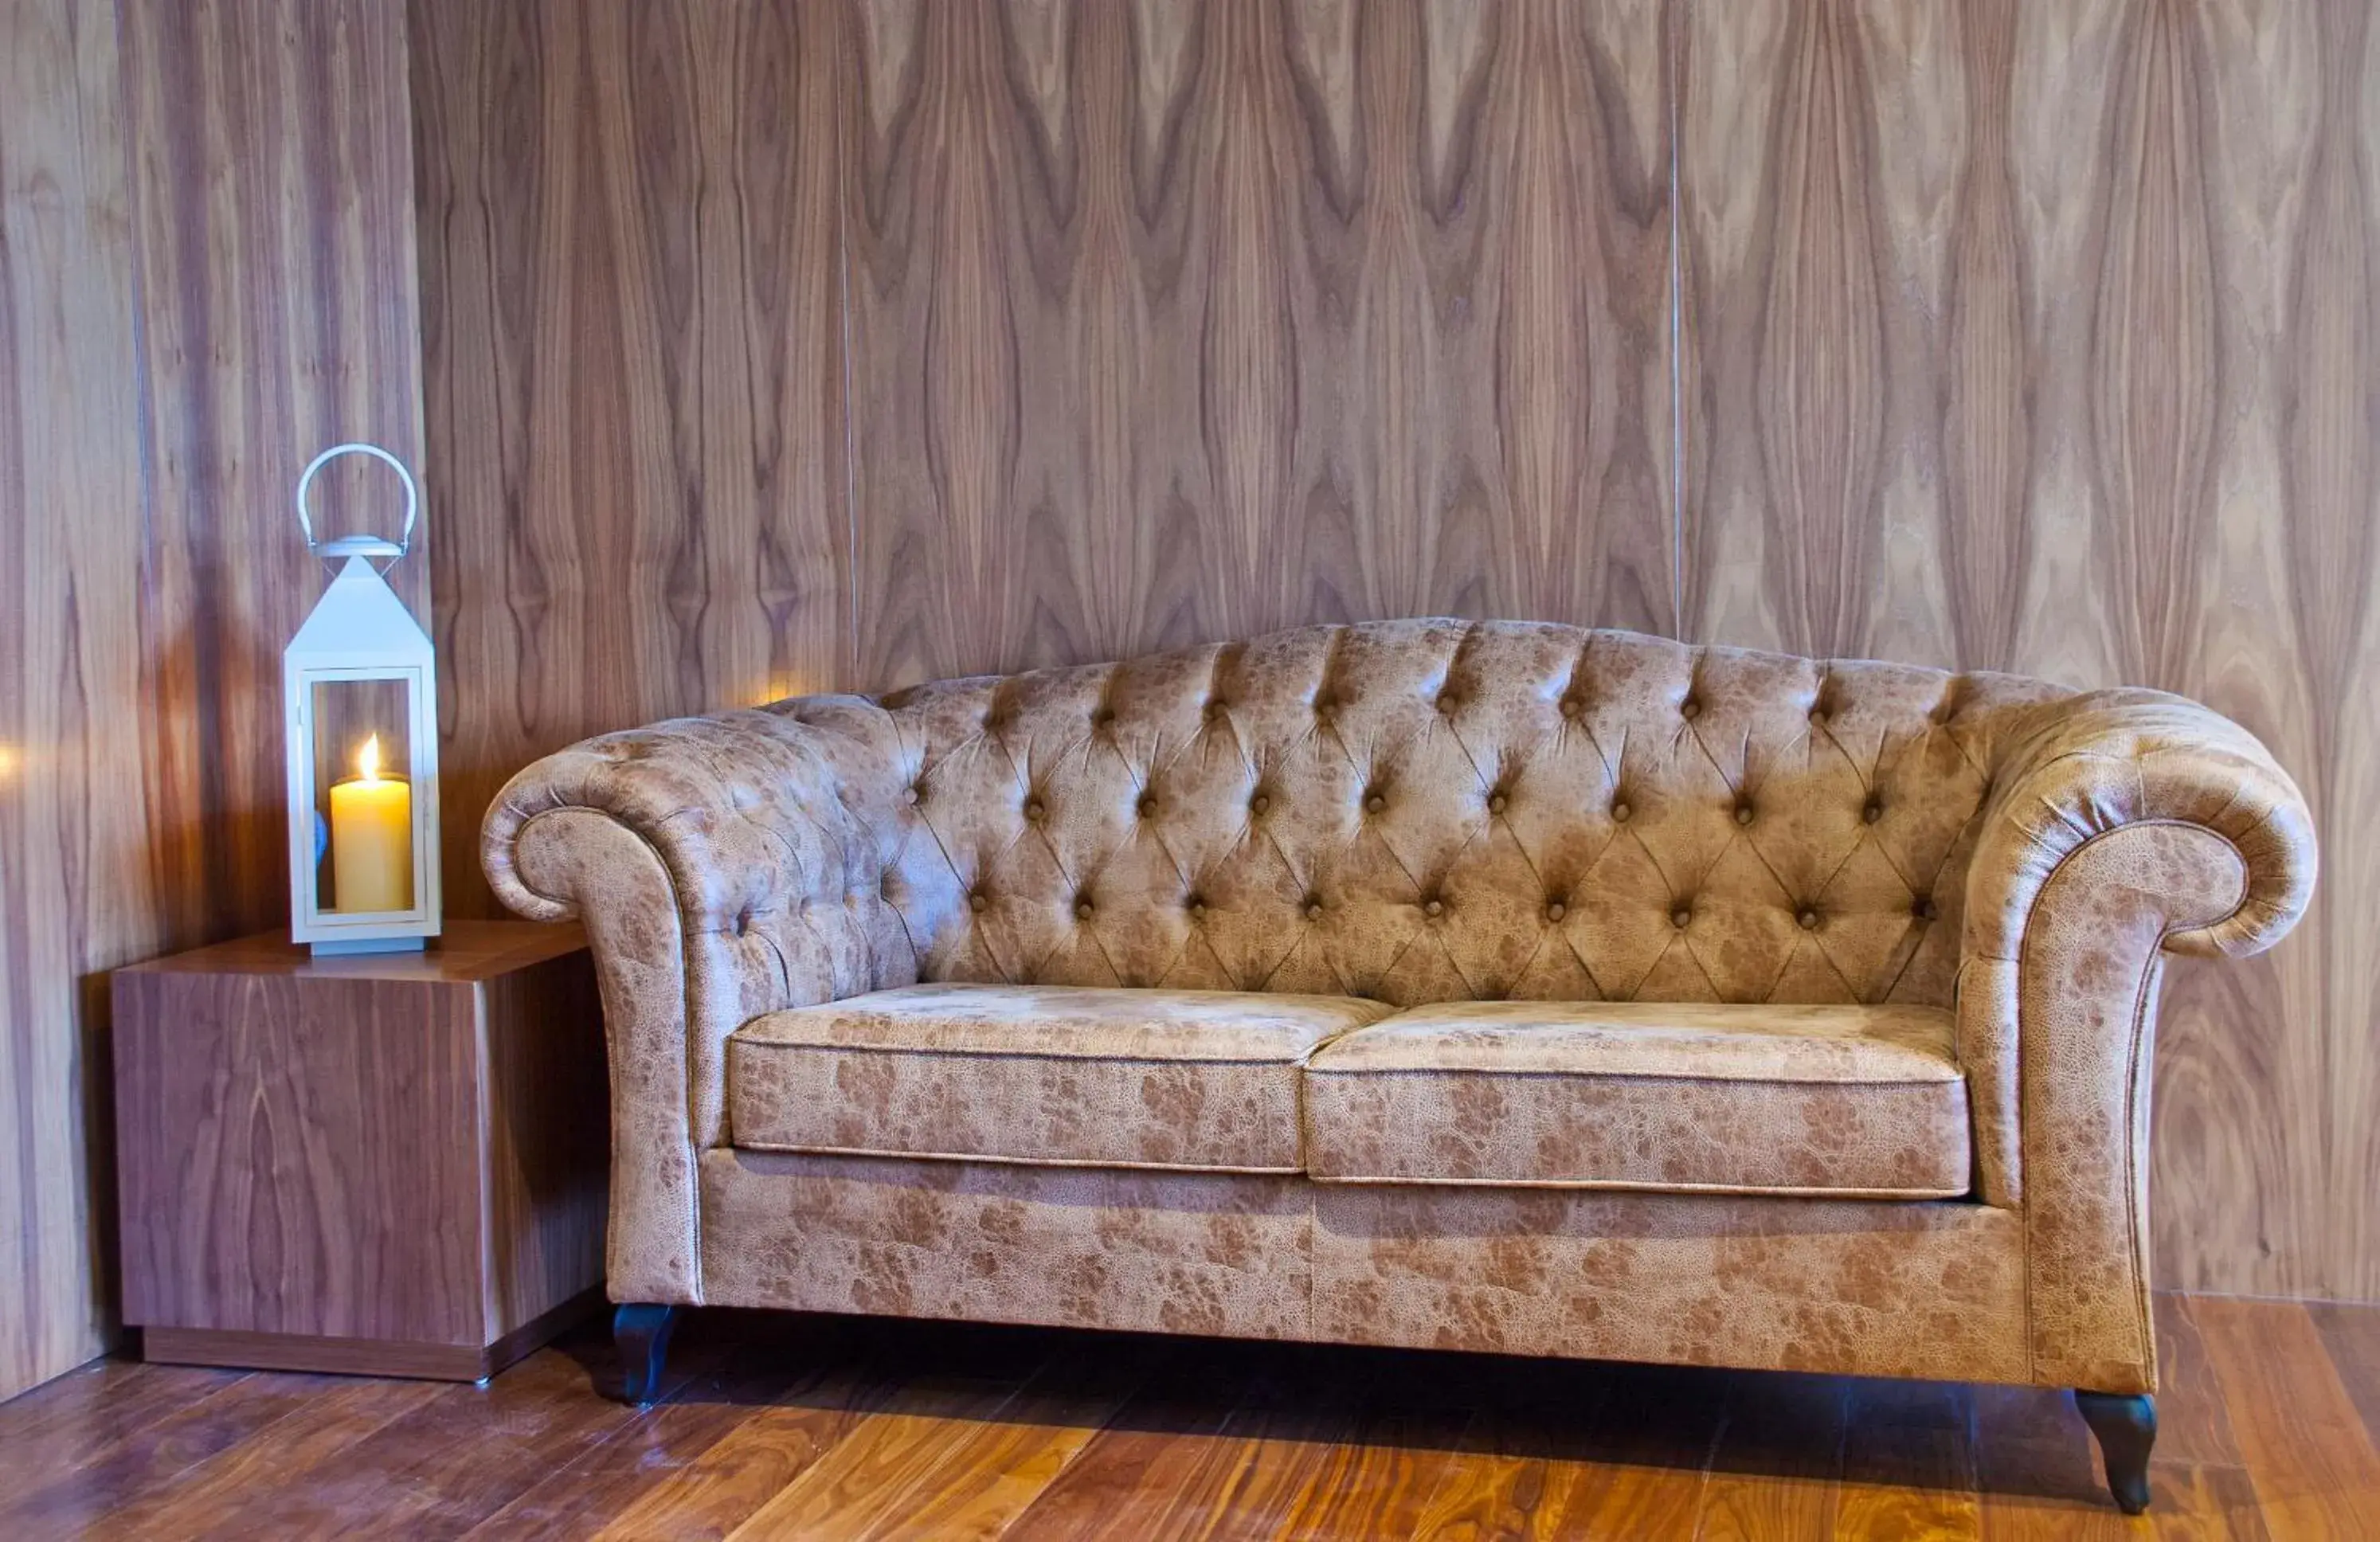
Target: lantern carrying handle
(360,546)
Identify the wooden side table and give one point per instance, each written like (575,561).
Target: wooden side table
(390,1164)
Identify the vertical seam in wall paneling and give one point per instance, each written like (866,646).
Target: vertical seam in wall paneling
(144,420)
(1675,82)
(851,680)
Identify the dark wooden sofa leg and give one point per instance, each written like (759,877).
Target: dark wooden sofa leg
(2126,1425)
(641,1333)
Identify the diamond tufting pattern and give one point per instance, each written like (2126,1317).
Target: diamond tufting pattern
(1440,810)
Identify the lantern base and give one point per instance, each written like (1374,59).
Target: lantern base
(369,945)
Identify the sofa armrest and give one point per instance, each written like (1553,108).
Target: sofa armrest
(723,866)
(2124,825)
(2093,763)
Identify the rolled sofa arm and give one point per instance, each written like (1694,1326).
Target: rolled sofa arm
(2124,825)
(2091,763)
(723,866)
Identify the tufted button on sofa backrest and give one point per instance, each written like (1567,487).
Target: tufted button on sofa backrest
(1444,810)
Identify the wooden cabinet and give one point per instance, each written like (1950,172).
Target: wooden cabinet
(391,1164)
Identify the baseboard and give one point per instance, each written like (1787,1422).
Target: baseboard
(299,1351)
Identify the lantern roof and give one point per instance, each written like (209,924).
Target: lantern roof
(359,620)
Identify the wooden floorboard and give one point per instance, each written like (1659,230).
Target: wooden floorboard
(2311,1460)
(326,1418)
(781,1426)
(2352,1335)
(121,1473)
(83,1413)
(1165,1461)
(1776,1468)
(1644,1470)
(754,1384)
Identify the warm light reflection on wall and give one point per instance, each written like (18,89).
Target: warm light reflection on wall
(780,688)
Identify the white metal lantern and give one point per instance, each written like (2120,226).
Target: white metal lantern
(359,704)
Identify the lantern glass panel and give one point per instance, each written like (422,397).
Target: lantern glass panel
(363,796)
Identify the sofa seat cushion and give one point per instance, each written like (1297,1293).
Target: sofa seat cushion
(1058,1075)
(1837,1100)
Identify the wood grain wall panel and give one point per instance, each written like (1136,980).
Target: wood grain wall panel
(2275,627)
(206,275)
(76,885)
(2329,354)
(632,347)
(2038,336)
(2185,379)
(1173,323)
(1820,154)
(272,217)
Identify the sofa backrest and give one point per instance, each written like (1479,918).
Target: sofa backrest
(1438,809)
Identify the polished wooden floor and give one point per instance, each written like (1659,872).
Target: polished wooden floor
(847,1428)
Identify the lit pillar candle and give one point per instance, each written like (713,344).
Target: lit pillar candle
(372,838)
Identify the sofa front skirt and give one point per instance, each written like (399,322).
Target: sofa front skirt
(1858,1287)
(1225,1254)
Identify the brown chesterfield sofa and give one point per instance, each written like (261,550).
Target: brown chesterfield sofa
(1486,985)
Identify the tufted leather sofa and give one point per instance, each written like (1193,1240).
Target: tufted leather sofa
(1489,985)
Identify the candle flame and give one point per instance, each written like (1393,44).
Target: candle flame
(368,760)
